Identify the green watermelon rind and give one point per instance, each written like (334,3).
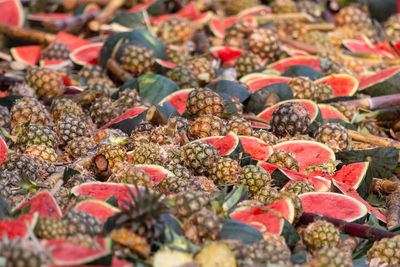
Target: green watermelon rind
(290,59)
(55,204)
(347,76)
(385,86)
(359,218)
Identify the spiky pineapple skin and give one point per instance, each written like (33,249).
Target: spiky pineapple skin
(284,159)
(48,154)
(204,101)
(199,156)
(51,228)
(330,257)
(46,82)
(321,234)
(37,135)
(333,135)
(70,127)
(79,146)
(175,30)
(303,88)
(137,59)
(56,50)
(207,125)
(290,119)
(202,225)
(129,174)
(28,109)
(187,203)
(300,187)
(264,42)
(246,63)
(254,178)
(81,222)
(225,171)
(183,77)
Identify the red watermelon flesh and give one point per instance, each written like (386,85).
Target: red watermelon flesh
(15,228)
(178,99)
(261,218)
(189,11)
(257,124)
(352,174)
(66,253)
(329,112)
(160,19)
(282,64)
(218,26)
(49,16)
(307,104)
(100,209)
(307,153)
(225,144)
(358,46)
(254,11)
(133,112)
(351,192)
(156,172)
(141,7)
(257,84)
(342,84)
(29,54)
(165,63)
(86,54)
(369,79)
(44,204)
(72,41)
(285,207)
(3,150)
(226,54)
(258,149)
(333,205)
(12,13)
(211,140)
(203,17)
(103,191)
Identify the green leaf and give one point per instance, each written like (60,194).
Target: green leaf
(373,221)
(343,123)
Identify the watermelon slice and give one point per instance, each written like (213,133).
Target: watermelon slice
(72,41)
(226,54)
(342,84)
(100,209)
(381,83)
(258,149)
(103,191)
(355,176)
(310,61)
(29,54)
(285,207)
(203,18)
(349,191)
(12,13)
(358,46)
(255,11)
(69,254)
(3,150)
(330,112)
(86,54)
(334,205)
(133,112)
(49,16)
(307,153)
(178,99)
(156,172)
(228,145)
(257,84)
(42,203)
(218,26)
(15,228)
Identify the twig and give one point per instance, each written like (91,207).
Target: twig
(288,16)
(155,117)
(71,24)
(320,26)
(382,186)
(299,45)
(373,103)
(27,35)
(107,12)
(116,69)
(72,4)
(348,246)
(393,206)
(372,139)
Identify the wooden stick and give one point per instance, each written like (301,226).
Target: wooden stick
(393,206)
(117,70)
(72,4)
(373,103)
(382,186)
(107,12)
(299,45)
(320,26)
(27,35)
(372,139)
(289,16)
(71,24)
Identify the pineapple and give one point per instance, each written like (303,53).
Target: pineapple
(102,111)
(392,27)
(125,239)
(24,252)
(175,30)
(284,159)
(353,17)
(323,91)
(79,146)
(46,82)
(332,257)
(321,234)
(283,6)
(310,7)
(4,117)
(46,153)
(80,222)
(264,135)
(187,203)
(293,29)
(51,228)
(246,63)
(215,254)
(225,171)
(348,110)
(202,68)
(177,54)
(114,154)
(240,126)
(137,59)
(254,178)
(386,250)
(179,170)
(199,156)
(129,174)
(36,135)
(83,240)
(264,252)
(127,99)
(28,109)
(336,68)
(201,226)
(265,43)
(303,88)
(204,101)
(172,185)
(232,7)
(65,106)
(78,179)
(183,77)
(98,89)
(207,125)
(69,127)
(290,118)
(318,39)
(22,89)
(89,72)
(147,153)
(56,51)
(299,187)
(237,33)
(333,135)
(267,195)
(141,215)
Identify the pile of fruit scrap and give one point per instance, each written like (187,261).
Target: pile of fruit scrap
(199,133)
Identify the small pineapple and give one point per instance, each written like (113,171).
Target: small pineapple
(300,187)
(283,6)
(79,146)
(330,256)
(130,174)
(264,252)
(246,63)
(290,118)
(127,99)
(225,171)
(201,226)
(199,156)
(56,50)
(333,135)
(114,154)
(202,68)
(172,185)
(46,153)
(69,127)
(4,117)
(321,234)
(177,54)
(28,109)
(303,88)
(254,178)
(386,250)
(51,228)
(267,195)
(137,59)
(102,111)
(207,125)
(237,33)
(284,159)
(46,82)
(392,27)
(179,170)
(78,179)
(264,135)
(89,72)
(33,134)
(175,30)
(204,101)
(353,17)
(240,126)
(310,7)
(124,239)
(265,43)
(62,106)
(232,7)
(147,153)
(348,110)
(22,89)
(80,222)
(183,77)
(323,91)
(187,203)
(85,240)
